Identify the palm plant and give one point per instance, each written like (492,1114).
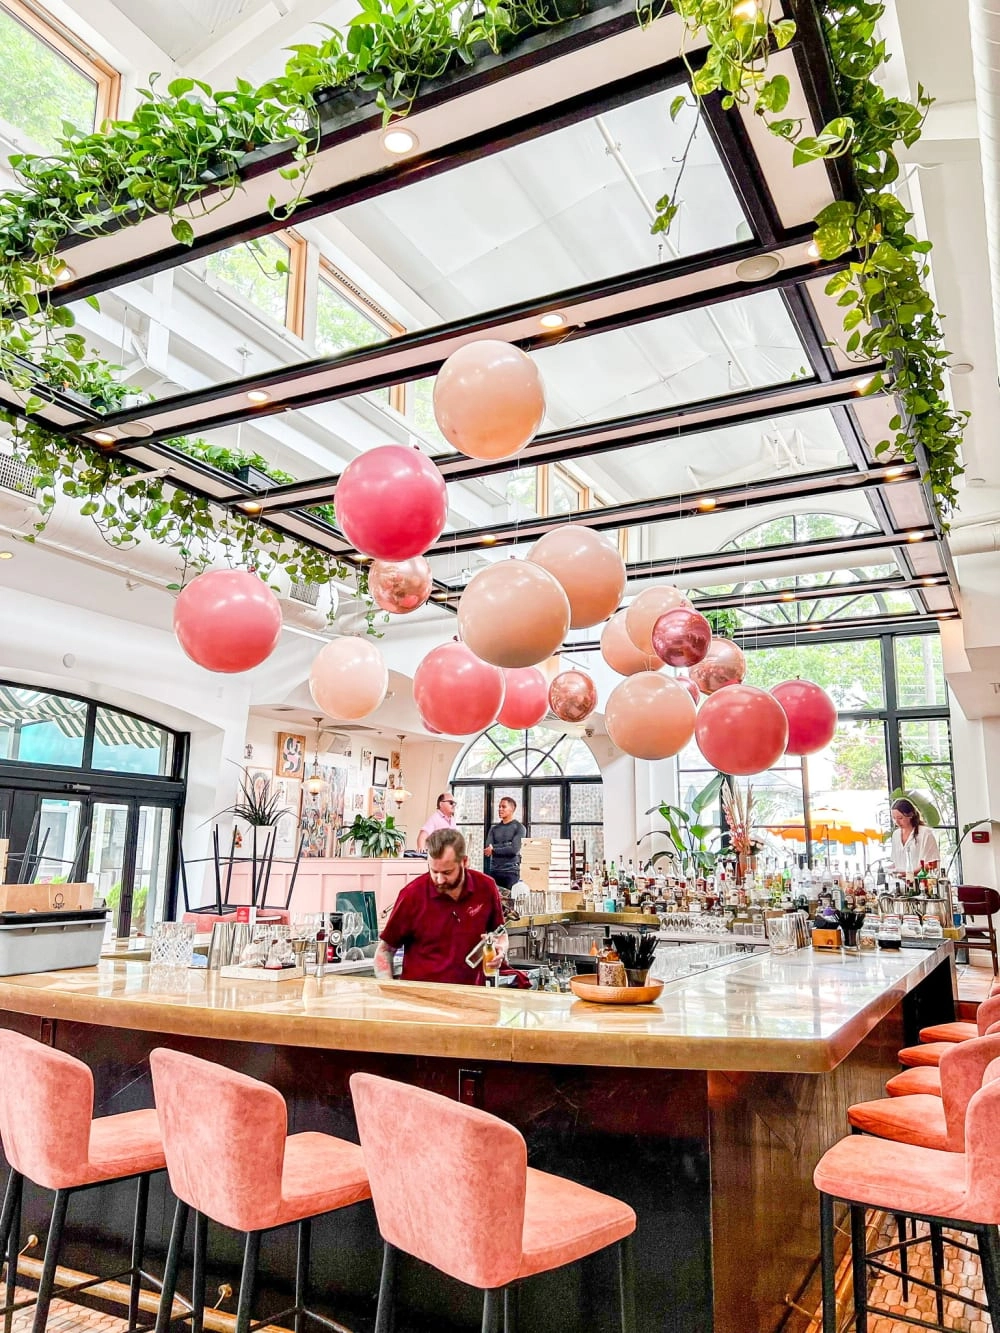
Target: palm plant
(258,804)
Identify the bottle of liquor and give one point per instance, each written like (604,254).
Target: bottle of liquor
(610,968)
(604,874)
(491,960)
(613,876)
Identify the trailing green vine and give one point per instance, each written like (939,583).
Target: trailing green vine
(888,314)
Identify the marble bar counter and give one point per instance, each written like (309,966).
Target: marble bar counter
(706,1111)
(794,1013)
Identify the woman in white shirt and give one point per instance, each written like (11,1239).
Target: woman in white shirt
(912,840)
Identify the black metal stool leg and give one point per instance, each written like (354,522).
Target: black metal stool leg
(828,1264)
(10,1224)
(859,1267)
(385,1316)
(248,1278)
(904,1252)
(491,1309)
(138,1251)
(988,1240)
(171,1266)
(15,1184)
(198,1273)
(302,1249)
(937,1260)
(52,1245)
(626,1285)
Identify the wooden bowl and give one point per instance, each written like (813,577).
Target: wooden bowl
(588,989)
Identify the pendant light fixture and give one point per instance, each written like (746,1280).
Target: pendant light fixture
(315,782)
(399,792)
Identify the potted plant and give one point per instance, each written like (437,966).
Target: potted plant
(373,836)
(258,804)
(690,837)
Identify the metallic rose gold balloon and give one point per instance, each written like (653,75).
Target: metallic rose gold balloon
(400,586)
(681,637)
(690,686)
(572,696)
(644,611)
(620,652)
(723,664)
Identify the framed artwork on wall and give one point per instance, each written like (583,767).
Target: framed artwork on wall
(290,755)
(380,771)
(366,761)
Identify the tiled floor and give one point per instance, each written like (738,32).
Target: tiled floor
(67,1318)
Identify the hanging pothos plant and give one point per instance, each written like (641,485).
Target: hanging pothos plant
(888,314)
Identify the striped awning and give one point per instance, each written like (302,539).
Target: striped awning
(29,707)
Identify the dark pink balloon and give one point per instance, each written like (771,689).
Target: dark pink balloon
(681,637)
(391,502)
(227,620)
(741,730)
(526,700)
(811,713)
(723,664)
(690,686)
(456,692)
(400,586)
(572,696)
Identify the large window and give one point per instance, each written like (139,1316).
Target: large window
(554,779)
(893,731)
(46,78)
(269,273)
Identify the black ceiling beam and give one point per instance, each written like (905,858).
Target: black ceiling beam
(739,157)
(815,71)
(807,323)
(634,513)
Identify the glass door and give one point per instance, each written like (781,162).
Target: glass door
(106,868)
(154,841)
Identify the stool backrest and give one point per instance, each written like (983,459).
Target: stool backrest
(963,1068)
(448,1181)
(46,1106)
(982,1162)
(223,1138)
(973,895)
(987,1014)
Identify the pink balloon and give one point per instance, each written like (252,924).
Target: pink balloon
(227,620)
(572,696)
(723,664)
(589,568)
(741,730)
(681,637)
(691,688)
(620,652)
(811,713)
(456,692)
(526,700)
(400,586)
(348,678)
(391,502)
(644,611)
(513,614)
(489,399)
(650,716)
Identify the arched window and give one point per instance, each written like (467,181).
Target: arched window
(554,778)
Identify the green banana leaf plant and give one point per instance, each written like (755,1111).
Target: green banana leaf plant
(690,838)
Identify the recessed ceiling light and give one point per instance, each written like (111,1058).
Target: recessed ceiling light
(758,267)
(915,536)
(961,367)
(104,437)
(706,503)
(489,539)
(865,383)
(251,507)
(928,582)
(6,555)
(258,396)
(399,141)
(136,430)
(787,597)
(975,481)
(812,250)
(894,473)
(553,320)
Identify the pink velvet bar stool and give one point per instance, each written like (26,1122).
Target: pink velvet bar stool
(938,1038)
(451,1186)
(231,1159)
(50,1137)
(944,1189)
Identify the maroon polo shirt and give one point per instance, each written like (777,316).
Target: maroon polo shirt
(436,932)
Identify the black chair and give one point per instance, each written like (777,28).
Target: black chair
(977,903)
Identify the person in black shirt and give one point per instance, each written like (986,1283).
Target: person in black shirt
(503,844)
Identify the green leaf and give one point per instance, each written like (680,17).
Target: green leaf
(179,87)
(676,105)
(182,232)
(784,31)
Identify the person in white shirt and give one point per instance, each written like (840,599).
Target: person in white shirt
(912,840)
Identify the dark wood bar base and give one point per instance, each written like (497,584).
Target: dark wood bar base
(718,1166)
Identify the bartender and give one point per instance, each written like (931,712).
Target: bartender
(912,840)
(441,916)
